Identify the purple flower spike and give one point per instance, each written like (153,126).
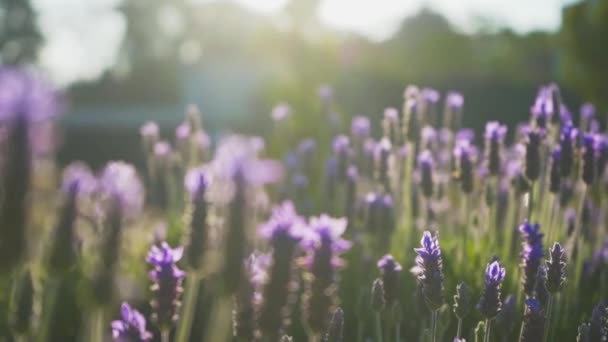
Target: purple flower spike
(489,304)
(119,182)
(556,268)
(149,130)
(390,269)
(454,100)
(26,95)
(77,177)
(532,254)
(533,142)
(131,327)
(533,328)
(587,111)
(284,223)
(425,164)
(495,135)
(360,127)
(183,131)
(589,159)
(167,280)
(465,153)
(543,110)
(568,136)
(429,270)
(554,173)
(430,95)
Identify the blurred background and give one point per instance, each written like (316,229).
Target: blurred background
(123,62)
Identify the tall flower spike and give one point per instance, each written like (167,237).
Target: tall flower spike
(167,284)
(541,294)
(425,165)
(377,296)
(505,320)
(390,125)
(567,138)
(342,150)
(462,300)
(602,155)
(360,127)
(465,154)
(598,327)
(197,183)
(533,142)
(248,297)
(554,173)
(131,327)
(336,327)
(324,244)
(382,156)
(556,268)
(543,110)
(429,270)
(390,270)
(494,140)
(534,322)
(589,159)
(284,230)
(583,333)
(489,304)
(532,254)
(380,214)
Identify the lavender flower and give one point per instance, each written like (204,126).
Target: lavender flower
(77,180)
(284,229)
(336,327)
(429,270)
(495,135)
(462,301)
(324,244)
(360,127)
(505,320)
(197,182)
(532,254)
(567,137)
(602,155)
(382,156)
(281,112)
(377,296)
(341,147)
(556,268)
(542,110)
(167,279)
(589,159)
(150,133)
(248,298)
(534,322)
(131,327)
(489,304)
(533,142)
(390,125)
(598,327)
(390,270)
(554,173)
(425,164)
(541,294)
(380,214)
(465,154)
(583,333)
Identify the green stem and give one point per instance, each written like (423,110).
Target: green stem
(378,327)
(97,325)
(459,331)
(398,332)
(190,300)
(434,326)
(165,335)
(486,337)
(548,317)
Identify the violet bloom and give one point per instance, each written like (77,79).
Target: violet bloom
(462,301)
(425,166)
(533,328)
(248,298)
(429,270)
(150,133)
(281,112)
(494,139)
(533,142)
(131,327)
(567,138)
(589,159)
(120,184)
(542,110)
(532,254)
(554,173)
(342,150)
(489,304)
(390,270)
(325,244)
(360,127)
(602,154)
(78,181)
(382,156)
(390,125)
(454,100)
(380,218)
(167,284)
(598,327)
(464,154)
(284,230)
(197,184)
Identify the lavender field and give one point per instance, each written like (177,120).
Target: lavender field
(424,232)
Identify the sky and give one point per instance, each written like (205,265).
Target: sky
(83,36)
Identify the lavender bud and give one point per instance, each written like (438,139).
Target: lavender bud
(167,284)
(532,253)
(489,304)
(324,245)
(380,213)
(286,338)
(495,135)
(429,270)
(131,327)
(598,327)
(543,109)
(382,156)
(197,183)
(556,268)
(248,297)
(464,154)
(22,303)
(425,165)
(462,300)
(583,333)
(540,288)
(390,270)
(284,230)
(235,236)
(336,327)
(589,159)
(377,298)
(360,128)
(602,155)
(533,142)
(568,135)
(342,151)
(410,120)
(534,322)
(555,174)
(150,134)
(390,125)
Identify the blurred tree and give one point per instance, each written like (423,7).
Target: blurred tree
(19,35)
(585,50)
